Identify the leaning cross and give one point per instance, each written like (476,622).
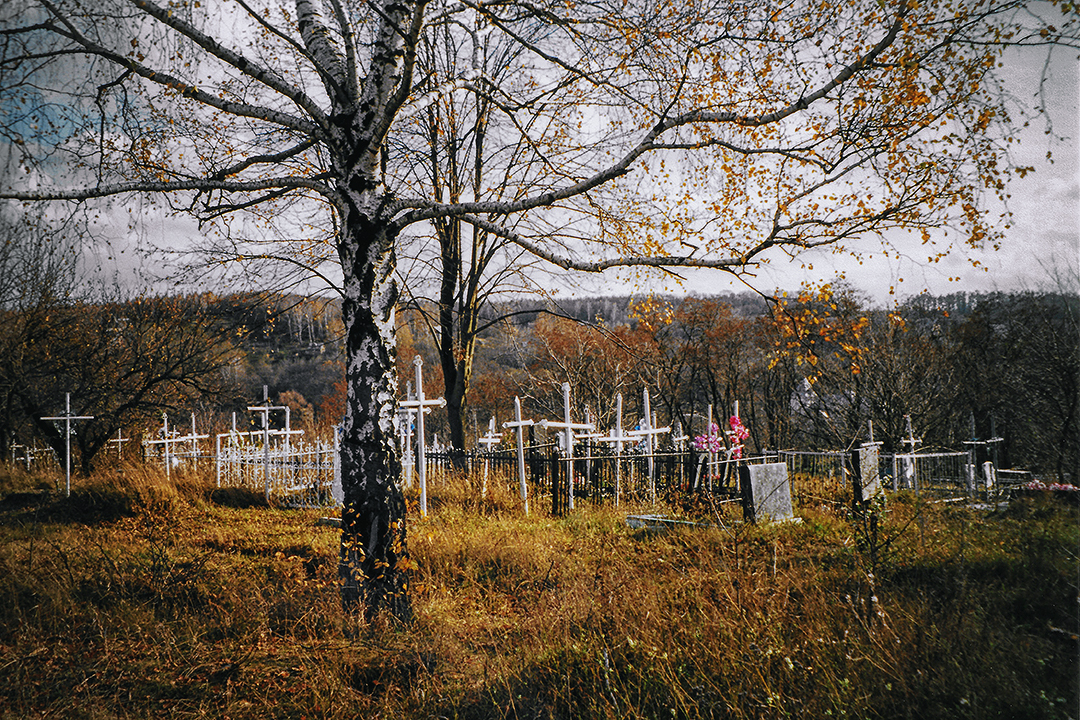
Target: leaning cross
(423,406)
(519,426)
(67,417)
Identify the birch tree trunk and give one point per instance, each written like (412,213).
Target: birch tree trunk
(373,561)
(374,557)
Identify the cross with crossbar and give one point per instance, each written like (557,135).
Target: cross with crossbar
(424,406)
(67,417)
(568,429)
(518,425)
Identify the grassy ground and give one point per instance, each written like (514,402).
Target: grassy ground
(137,599)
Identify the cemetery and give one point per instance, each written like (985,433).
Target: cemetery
(589,554)
(772,505)
(560,462)
(567,462)
(585,557)
(809,584)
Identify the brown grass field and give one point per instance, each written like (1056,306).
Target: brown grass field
(136,599)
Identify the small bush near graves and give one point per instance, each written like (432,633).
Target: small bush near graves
(140,598)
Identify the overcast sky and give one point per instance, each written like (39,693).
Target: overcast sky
(1044,238)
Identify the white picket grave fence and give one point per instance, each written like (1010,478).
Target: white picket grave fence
(289,471)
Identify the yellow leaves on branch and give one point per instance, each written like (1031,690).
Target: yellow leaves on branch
(820,322)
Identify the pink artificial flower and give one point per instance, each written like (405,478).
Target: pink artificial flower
(738,430)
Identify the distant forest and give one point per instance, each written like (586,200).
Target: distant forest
(810,371)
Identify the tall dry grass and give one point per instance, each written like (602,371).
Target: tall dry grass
(138,598)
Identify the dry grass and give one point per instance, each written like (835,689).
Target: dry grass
(134,598)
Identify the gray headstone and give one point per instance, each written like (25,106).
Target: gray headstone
(766,492)
(867,479)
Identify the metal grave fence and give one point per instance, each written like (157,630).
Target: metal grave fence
(943,474)
(292,472)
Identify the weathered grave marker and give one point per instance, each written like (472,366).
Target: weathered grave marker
(990,475)
(766,492)
(866,463)
(867,483)
(647,432)
(659,523)
(518,426)
(423,406)
(911,478)
(568,429)
(67,417)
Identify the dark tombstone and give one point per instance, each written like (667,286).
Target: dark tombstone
(766,492)
(867,483)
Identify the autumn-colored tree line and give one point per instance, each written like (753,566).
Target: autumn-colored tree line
(808,371)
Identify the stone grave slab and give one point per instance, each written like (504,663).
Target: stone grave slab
(867,483)
(766,492)
(655,523)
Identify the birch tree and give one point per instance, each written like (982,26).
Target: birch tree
(664,134)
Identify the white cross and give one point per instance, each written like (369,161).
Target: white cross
(488,441)
(492,438)
(519,426)
(67,417)
(194,438)
(568,429)
(910,440)
(119,440)
(265,409)
(166,438)
(618,437)
(27,456)
(647,432)
(424,406)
